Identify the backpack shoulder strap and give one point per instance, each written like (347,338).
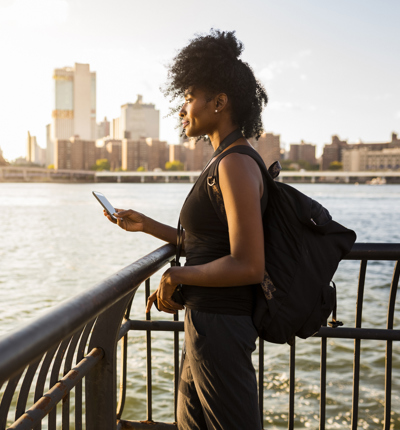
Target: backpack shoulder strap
(214,191)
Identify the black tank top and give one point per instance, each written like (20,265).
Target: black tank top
(207,239)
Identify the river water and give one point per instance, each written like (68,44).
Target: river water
(55,243)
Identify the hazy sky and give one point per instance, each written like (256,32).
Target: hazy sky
(329,67)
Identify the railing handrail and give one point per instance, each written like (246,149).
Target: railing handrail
(374,251)
(25,344)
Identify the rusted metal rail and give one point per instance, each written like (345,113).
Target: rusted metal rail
(43,352)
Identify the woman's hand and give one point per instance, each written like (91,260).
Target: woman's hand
(164,293)
(128,220)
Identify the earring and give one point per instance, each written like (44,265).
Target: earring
(216,110)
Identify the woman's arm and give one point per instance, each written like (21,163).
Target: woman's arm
(131,220)
(242,187)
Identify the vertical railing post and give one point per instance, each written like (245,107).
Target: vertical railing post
(149,382)
(357,346)
(101,382)
(389,346)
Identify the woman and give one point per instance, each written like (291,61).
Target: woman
(224,261)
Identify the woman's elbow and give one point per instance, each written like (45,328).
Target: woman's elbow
(256,273)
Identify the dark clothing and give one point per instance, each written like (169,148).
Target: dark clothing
(218,386)
(206,240)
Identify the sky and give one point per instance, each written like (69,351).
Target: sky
(329,67)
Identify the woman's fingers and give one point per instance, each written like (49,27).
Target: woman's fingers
(152,298)
(122,213)
(168,306)
(105,213)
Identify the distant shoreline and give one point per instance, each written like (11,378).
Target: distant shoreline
(37,174)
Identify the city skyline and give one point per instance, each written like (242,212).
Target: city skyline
(328,68)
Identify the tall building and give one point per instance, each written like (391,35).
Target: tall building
(103,129)
(197,154)
(139,120)
(268,146)
(49,147)
(134,154)
(74,154)
(3,162)
(74,111)
(34,153)
(178,153)
(158,153)
(111,150)
(335,151)
(365,159)
(115,132)
(302,152)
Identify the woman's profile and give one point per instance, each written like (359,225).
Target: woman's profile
(221,99)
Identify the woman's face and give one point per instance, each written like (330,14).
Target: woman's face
(197,114)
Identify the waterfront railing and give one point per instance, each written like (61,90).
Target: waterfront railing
(73,350)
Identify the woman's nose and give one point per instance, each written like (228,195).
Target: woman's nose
(182,112)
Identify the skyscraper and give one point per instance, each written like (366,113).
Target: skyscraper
(139,120)
(74,112)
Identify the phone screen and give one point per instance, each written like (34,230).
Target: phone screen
(105,203)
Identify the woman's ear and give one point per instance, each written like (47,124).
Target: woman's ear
(221,100)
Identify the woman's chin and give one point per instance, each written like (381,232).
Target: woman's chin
(189,133)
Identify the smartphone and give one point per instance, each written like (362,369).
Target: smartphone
(106,204)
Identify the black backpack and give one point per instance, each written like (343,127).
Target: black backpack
(303,247)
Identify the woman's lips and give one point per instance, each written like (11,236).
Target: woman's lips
(185,124)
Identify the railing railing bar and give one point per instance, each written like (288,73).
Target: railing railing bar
(374,251)
(156,325)
(392,297)
(7,399)
(54,377)
(41,380)
(292,384)
(149,386)
(71,351)
(125,323)
(261,379)
(124,359)
(322,401)
(145,425)
(339,332)
(122,380)
(176,366)
(25,388)
(47,403)
(358,333)
(67,367)
(388,384)
(78,388)
(125,327)
(357,346)
(389,346)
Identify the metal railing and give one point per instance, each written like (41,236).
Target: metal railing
(86,330)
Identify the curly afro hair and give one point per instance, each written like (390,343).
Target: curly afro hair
(211,62)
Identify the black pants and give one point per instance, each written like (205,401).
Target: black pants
(218,387)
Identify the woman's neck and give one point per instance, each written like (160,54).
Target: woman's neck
(219,135)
